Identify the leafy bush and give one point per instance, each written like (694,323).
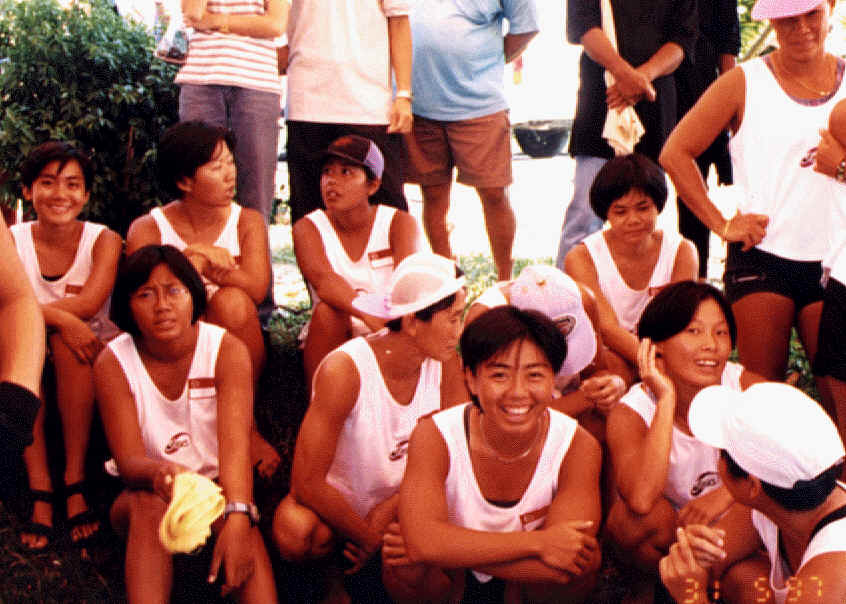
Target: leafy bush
(84,75)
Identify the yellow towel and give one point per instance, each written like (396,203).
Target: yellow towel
(196,503)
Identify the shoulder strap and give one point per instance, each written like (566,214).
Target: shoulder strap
(828,519)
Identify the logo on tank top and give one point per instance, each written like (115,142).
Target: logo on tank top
(400,450)
(180,440)
(706,480)
(809,159)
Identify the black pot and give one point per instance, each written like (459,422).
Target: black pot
(542,138)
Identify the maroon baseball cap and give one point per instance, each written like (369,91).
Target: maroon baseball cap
(358,150)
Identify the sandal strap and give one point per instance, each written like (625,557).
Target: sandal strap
(82,518)
(77,488)
(40,495)
(38,528)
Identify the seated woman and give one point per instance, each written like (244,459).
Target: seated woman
(626,264)
(504,485)
(175,395)
(664,476)
(350,247)
(587,389)
(71,264)
(226,243)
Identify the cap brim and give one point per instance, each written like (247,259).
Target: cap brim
(379,304)
(707,413)
(581,346)
(770,9)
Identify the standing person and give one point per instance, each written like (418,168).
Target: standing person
(503,485)
(175,395)
(231,79)
(350,247)
(652,37)
(780,455)
(775,106)
(21,362)
(717,45)
(368,395)
(461,113)
(71,264)
(340,60)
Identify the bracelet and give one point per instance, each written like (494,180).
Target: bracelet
(224,29)
(840,174)
(404,94)
(724,234)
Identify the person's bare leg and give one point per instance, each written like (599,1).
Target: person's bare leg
(833,393)
(329,328)
(35,460)
(232,308)
(75,399)
(763,333)
(299,533)
(148,567)
(501,226)
(435,209)
(260,588)
(746,581)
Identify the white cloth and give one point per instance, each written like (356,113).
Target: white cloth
(466,504)
(628,303)
(831,538)
(72,282)
(184,430)
(772,159)
(370,456)
(215,58)
(339,68)
(693,464)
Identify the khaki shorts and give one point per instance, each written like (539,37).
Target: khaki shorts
(480,148)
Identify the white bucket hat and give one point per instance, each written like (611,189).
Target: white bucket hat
(418,281)
(549,291)
(773,431)
(778,9)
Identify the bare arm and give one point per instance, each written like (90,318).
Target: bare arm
(404,236)
(579,266)
(271,24)
(336,388)
(630,82)
(515,44)
(453,388)
(143,231)
(399,35)
(253,272)
(22,352)
(686,264)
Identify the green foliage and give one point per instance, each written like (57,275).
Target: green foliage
(750,30)
(84,75)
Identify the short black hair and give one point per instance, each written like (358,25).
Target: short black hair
(497,328)
(623,174)
(186,146)
(424,314)
(60,151)
(803,496)
(135,271)
(669,312)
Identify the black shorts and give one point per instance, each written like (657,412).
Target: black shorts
(831,343)
(757,271)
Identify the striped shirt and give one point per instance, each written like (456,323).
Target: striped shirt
(231,59)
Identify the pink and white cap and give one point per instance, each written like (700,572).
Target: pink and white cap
(773,431)
(778,9)
(418,281)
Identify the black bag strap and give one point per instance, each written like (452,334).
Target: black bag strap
(828,519)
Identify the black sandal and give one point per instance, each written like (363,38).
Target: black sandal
(39,529)
(82,518)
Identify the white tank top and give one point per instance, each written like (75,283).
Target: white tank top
(372,271)
(72,282)
(773,161)
(227,239)
(693,464)
(628,303)
(371,452)
(467,506)
(184,430)
(830,538)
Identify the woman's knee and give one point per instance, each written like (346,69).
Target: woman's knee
(231,307)
(326,319)
(298,533)
(644,536)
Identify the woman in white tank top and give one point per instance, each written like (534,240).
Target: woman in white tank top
(664,477)
(71,265)
(175,395)
(227,244)
(503,486)
(629,262)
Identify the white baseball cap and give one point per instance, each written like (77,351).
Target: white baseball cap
(546,289)
(778,9)
(773,431)
(418,281)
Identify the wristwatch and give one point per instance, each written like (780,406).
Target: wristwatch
(404,94)
(242,507)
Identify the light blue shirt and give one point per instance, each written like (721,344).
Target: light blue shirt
(459,59)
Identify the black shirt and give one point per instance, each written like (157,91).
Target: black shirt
(643,26)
